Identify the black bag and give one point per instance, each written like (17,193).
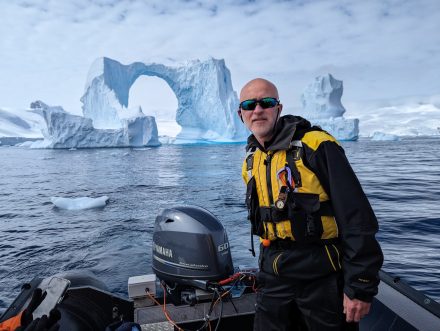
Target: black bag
(304,216)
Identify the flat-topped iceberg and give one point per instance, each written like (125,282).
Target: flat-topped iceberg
(64,130)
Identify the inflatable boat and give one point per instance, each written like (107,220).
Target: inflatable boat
(196,287)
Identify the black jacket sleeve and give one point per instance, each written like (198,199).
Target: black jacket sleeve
(357,224)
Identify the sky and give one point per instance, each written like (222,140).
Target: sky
(384,51)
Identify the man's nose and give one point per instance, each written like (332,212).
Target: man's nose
(258,108)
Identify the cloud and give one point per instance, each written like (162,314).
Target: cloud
(379,48)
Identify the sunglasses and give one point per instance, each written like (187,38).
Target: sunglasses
(264,103)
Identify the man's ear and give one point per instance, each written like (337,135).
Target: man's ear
(239,114)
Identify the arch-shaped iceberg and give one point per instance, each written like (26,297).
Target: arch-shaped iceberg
(206,101)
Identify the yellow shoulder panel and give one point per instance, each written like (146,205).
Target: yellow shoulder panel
(244,172)
(314,138)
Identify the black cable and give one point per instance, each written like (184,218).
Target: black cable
(205,324)
(217,289)
(230,296)
(221,310)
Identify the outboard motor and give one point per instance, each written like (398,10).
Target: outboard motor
(190,248)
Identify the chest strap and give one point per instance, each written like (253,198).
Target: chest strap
(272,214)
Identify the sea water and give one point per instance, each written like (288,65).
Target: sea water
(401,179)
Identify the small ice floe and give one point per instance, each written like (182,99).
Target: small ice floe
(79,203)
(142,149)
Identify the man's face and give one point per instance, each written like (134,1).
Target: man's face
(260,121)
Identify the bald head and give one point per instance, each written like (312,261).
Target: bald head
(260,120)
(258,85)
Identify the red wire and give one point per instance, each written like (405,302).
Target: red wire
(230,279)
(222,282)
(164,308)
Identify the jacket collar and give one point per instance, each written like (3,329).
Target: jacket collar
(285,131)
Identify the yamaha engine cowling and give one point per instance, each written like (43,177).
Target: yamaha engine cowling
(190,245)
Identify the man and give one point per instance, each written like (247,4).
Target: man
(319,258)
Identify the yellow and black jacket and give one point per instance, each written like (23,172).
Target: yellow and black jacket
(302,189)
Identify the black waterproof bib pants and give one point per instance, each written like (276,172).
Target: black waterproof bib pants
(293,302)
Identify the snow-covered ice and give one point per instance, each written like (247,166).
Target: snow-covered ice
(20,123)
(404,117)
(79,203)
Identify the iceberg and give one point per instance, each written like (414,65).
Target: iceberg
(321,103)
(206,111)
(206,101)
(64,130)
(79,203)
(379,136)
